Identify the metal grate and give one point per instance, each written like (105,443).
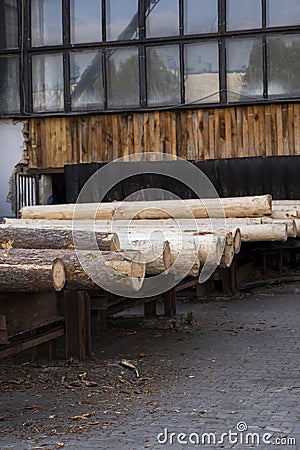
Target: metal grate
(26,191)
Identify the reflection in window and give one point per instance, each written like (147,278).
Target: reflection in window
(244,69)
(47,82)
(9,85)
(122,20)
(200,16)
(163,75)
(86,79)
(283,13)
(46,22)
(243,14)
(162,18)
(86,21)
(122,77)
(8,24)
(283,66)
(201,73)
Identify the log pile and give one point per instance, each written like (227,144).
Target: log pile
(40,250)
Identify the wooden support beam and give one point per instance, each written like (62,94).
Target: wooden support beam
(150,309)
(78,324)
(170,302)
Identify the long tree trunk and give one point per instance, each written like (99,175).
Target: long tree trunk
(31,270)
(162,209)
(43,238)
(264,232)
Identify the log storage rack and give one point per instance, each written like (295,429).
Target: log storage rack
(45,293)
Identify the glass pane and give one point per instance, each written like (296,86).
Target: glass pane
(243,14)
(122,77)
(122,20)
(283,66)
(86,21)
(8,24)
(244,69)
(9,85)
(200,16)
(201,73)
(46,22)
(47,83)
(162,18)
(163,75)
(280,13)
(86,80)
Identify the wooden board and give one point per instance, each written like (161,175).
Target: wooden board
(199,134)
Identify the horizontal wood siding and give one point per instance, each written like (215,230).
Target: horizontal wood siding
(232,132)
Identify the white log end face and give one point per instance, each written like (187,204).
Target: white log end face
(58,274)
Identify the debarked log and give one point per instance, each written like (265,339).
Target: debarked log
(251,206)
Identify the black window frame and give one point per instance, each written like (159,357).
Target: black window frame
(26,51)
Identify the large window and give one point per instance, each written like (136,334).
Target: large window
(68,56)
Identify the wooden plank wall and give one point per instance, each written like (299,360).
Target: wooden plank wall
(245,131)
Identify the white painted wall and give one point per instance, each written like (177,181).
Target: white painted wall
(11,140)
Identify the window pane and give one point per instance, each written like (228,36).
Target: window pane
(244,69)
(201,73)
(46,22)
(163,75)
(200,16)
(86,79)
(162,18)
(280,13)
(284,66)
(122,20)
(9,85)
(86,21)
(8,24)
(47,82)
(122,77)
(243,14)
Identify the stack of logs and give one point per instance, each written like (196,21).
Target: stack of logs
(136,239)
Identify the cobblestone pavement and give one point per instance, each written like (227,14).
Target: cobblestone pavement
(237,365)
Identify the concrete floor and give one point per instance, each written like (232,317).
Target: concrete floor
(231,375)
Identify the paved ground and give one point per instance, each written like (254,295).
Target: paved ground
(236,365)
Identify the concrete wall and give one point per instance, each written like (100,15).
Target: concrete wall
(11,140)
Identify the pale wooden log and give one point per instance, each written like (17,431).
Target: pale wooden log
(66,211)
(184,250)
(27,271)
(39,238)
(290,204)
(264,232)
(156,253)
(290,223)
(297,223)
(129,269)
(284,212)
(182,209)
(227,257)
(188,248)
(161,209)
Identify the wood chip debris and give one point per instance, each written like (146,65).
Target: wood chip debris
(129,365)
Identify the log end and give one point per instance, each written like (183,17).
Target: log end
(237,240)
(167,257)
(58,275)
(115,243)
